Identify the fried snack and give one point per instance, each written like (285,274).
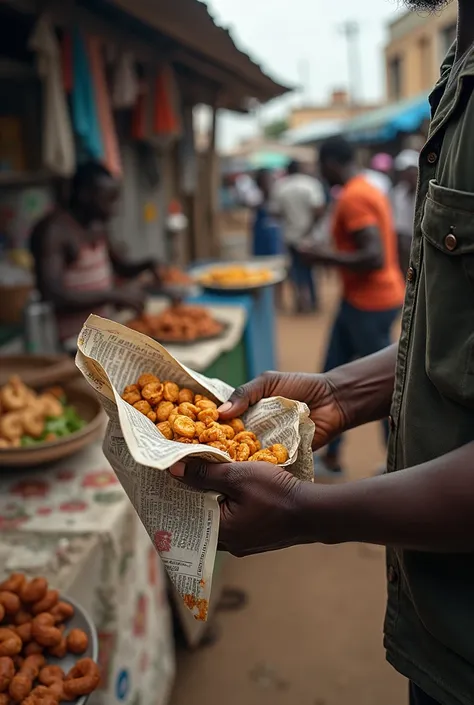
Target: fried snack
(145,379)
(143,407)
(7,671)
(184,427)
(44,631)
(185,395)
(60,650)
(14,583)
(165,428)
(50,674)
(235,276)
(163,411)
(184,417)
(49,600)
(10,602)
(62,612)
(22,683)
(41,696)
(170,391)
(10,642)
(82,679)
(179,322)
(34,590)
(153,393)
(50,405)
(77,641)
(24,631)
(33,420)
(11,426)
(21,617)
(33,648)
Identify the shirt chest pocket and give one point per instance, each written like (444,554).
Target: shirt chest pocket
(448,241)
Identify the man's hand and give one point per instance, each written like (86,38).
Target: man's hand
(261,503)
(129,296)
(326,409)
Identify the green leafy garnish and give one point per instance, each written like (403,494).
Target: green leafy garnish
(60,426)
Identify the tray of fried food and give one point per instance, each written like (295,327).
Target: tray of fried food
(185,417)
(182,324)
(244,276)
(48,645)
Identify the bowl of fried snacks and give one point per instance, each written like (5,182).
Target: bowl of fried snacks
(48,645)
(238,276)
(181,324)
(39,427)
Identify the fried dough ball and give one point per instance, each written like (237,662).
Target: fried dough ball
(10,643)
(153,393)
(77,641)
(200,427)
(62,611)
(237,425)
(220,445)
(228,430)
(14,583)
(44,630)
(185,395)
(170,391)
(7,671)
(208,415)
(50,674)
(245,436)
(143,407)
(132,397)
(49,600)
(184,426)
(188,409)
(11,425)
(280,452)
(242,452)
(265,456)
(145,379)
(212,434)
(82,679)
(206,404)
(130,388)
(163,411)
(165,428)
(24,631)
(34,590)
(10,602)
(184,439)
(50,406)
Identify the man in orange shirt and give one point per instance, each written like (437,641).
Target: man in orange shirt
(366,256)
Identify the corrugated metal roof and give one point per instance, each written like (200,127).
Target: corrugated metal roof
(313,132)
(190,23)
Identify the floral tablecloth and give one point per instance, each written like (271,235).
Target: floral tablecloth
(73,523)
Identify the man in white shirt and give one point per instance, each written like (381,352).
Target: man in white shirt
(299,200)
(403,198)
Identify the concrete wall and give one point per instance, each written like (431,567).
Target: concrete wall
(418,42)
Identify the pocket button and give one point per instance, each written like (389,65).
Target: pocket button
(450,242)
(411,275)
(432,158)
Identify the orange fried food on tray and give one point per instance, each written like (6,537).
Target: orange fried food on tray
(182,416)
(180,322)
(33,630)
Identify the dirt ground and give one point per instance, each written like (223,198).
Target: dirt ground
(311,633)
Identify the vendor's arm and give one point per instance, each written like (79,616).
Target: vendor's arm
(52,263)
(130,270)
(425,508)
(367,256)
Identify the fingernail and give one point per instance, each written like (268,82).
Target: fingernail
(178,469)
(226,406)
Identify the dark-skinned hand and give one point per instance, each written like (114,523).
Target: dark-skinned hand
(260,508)
(326,410)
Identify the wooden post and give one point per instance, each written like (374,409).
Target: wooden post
(213,189)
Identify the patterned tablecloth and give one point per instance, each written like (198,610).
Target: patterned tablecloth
(73,523)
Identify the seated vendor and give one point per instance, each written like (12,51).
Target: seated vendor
(75,263)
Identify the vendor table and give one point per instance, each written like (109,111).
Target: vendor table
(73,523)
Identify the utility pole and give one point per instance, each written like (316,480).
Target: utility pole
(351,30)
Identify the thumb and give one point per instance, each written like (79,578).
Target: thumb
(243,397)
(216,477)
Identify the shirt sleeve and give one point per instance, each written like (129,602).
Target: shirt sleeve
(358,212)
(317,197)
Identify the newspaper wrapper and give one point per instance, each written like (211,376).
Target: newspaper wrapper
(182,523)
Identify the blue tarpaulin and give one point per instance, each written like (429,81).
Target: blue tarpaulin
(384,124)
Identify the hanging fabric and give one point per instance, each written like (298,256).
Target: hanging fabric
(66,62)
(58,149)
(111,157)
(83,102)
(166,120)
(125,82)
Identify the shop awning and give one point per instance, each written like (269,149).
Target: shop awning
(384,124)
(190,25)
(313,132)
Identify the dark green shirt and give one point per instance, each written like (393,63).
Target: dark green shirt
(429,626)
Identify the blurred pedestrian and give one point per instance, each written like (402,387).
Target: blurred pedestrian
(403,198)
(266,229)
(366,256)
(379,173)
(299,200)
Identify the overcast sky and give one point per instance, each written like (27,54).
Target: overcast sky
(300,41)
